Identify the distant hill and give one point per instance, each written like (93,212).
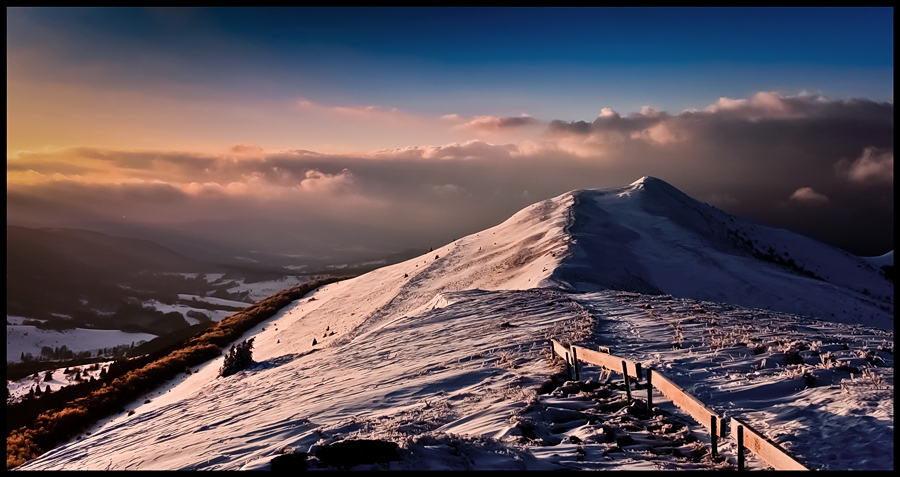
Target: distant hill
(75,277)
(81,278)
(75,252)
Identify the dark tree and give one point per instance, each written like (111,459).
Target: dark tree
(239,357)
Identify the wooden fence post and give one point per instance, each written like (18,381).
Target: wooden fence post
(637,372)
(575,363)
(740,447)
(552,350)
(627,382)
(714,435)
(568,367)
(650,389)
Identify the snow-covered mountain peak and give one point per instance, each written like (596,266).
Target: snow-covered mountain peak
(650,237)
(649,181)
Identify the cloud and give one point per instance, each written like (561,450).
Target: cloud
(874,165)
(316,181)
(492,123)
(246,149)
(608,113)
(660,133)
(44,171)
(359,112)
(744,156)
(448,190)
(809,196)
(364,110)
(769,105)
(469,150)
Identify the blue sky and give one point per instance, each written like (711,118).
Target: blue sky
(566,62)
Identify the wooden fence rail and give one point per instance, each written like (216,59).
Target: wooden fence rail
(772,453)
(746,437)
(688,403)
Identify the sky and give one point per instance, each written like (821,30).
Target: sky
(448,120)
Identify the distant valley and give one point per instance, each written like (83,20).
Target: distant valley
(63,279)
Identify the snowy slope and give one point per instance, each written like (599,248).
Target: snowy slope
(442,354)
(649,237)
(882,260)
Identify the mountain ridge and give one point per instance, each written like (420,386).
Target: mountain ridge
(636,238)
(631,239)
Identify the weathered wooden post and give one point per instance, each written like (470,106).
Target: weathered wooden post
(650,389)
(714,435)
(575,363)
(568,366)
(740,447)
(627,381)
(637,371)
(552,350)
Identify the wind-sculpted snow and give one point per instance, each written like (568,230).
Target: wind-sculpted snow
(444,354)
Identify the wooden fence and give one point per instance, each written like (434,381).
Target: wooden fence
(745,436)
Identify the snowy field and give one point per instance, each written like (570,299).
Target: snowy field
(443,355)
(265,289)
(29,339)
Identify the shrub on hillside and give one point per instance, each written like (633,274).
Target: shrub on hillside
(239,357)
